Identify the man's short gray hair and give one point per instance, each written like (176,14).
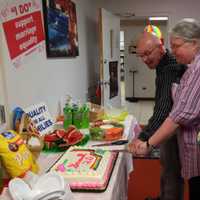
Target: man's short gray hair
(187,28)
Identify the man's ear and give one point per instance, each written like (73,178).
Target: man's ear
(162,48)
(162,41)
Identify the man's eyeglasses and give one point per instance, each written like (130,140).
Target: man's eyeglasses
(147,53)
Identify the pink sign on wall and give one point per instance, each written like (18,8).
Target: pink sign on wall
(23,32)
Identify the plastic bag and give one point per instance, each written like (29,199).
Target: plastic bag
(16,157)
(116,114)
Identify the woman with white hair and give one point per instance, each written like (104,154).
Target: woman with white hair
(185,114)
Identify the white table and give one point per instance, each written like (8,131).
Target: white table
(118,184)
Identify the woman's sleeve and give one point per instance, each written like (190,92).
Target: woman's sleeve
(187,105)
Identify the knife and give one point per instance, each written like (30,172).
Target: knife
(118,142)
(120,151)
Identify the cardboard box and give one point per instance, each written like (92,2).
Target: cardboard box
(96,112)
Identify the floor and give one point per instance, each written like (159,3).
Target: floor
(142,110)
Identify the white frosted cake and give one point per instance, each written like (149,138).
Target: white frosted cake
(86,168)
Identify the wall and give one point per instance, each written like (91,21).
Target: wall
(48,80)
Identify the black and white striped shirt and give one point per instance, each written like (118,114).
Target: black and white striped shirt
(167,72)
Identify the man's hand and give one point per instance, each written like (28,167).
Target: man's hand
(138,148)
(134,145)
(142,149)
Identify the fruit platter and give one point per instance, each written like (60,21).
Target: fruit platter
(106,130)
(61,139)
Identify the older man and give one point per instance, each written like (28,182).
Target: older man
(151,50)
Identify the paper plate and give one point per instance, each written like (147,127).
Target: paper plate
(45,187)
(47,196)
(19,190)
(50,182)
(52,186)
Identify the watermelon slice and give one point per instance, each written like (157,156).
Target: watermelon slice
(60,133)
(51,137)
(73,137)
(70,128)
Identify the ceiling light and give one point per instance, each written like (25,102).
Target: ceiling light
(158,18)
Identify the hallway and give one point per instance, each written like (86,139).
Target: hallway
(141,110)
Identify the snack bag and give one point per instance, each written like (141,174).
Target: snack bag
(16,157)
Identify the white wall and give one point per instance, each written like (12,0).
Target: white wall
(48,80)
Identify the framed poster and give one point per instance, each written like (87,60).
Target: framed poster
(60,28)
(113,72)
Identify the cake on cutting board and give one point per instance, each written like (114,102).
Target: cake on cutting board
(86,168)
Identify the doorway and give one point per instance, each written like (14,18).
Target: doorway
(137,81)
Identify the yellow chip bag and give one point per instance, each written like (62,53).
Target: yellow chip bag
(16,157)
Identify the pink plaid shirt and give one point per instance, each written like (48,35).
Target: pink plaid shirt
(186,112)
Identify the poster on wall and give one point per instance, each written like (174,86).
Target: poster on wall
(22,25)
(61,28)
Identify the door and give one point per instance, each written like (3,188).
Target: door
(3,114)
(139,80)
(2,102)
(109,58)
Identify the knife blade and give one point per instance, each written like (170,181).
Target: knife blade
(120,151)
(118,142)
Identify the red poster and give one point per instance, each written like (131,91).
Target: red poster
(23,33)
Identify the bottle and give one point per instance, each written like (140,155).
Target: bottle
(85,116)
(77,116)
(67,116)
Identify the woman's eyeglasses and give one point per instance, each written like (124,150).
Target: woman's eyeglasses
(178,44)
